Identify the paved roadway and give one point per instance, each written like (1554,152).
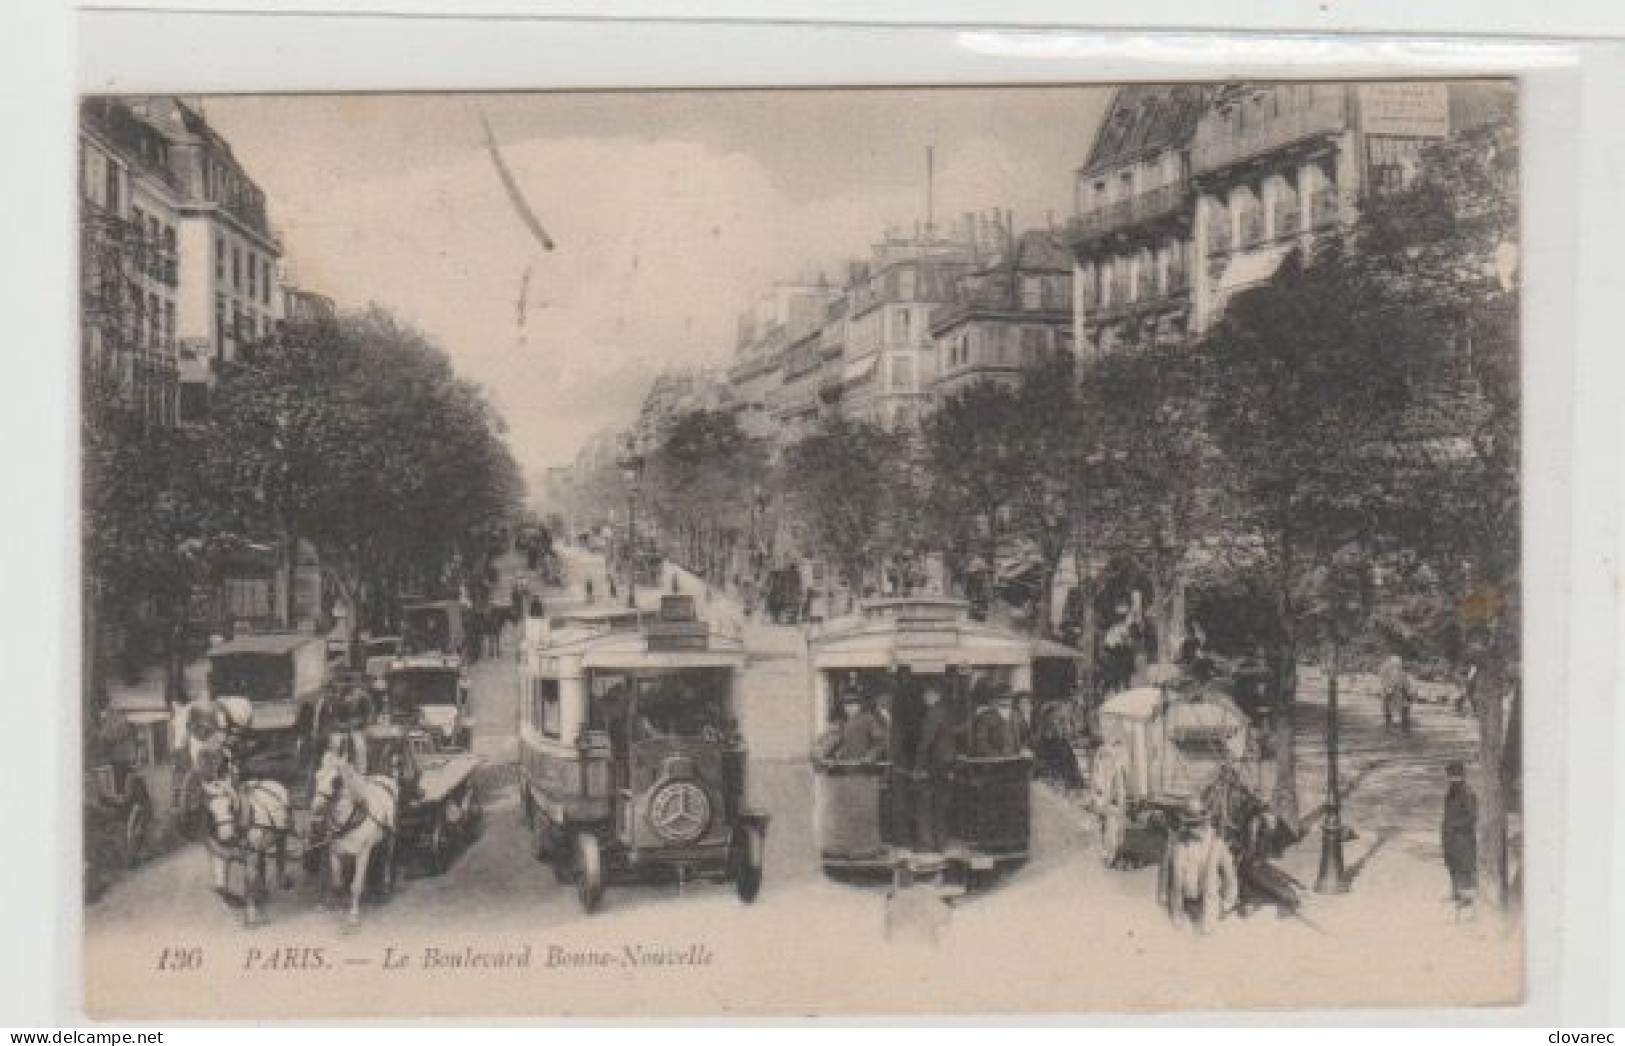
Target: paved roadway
(1061,933)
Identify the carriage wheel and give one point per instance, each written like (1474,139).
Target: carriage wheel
(439,846)
(388,867)
(137,821)
(749,848)
(589,871)
(473,815)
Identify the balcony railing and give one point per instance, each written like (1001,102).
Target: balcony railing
(1224,139)
(1139,209)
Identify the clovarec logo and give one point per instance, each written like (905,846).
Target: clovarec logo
(1580,1036)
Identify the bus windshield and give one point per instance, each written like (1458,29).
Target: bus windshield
(412,688)
(258,677)
(685,703)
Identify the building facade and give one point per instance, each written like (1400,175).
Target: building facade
(1012,312)
(1131,235)
(783,316)
(230,295)
(890,359)
(129,260)
(1193,194)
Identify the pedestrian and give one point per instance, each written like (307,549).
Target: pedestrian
(1458,836)
(1394,686)
(586,588)
(933,767)
(1197,883)
(611,579)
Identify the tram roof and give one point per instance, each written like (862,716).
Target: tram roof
(264,643)
(625,638)
(921,631)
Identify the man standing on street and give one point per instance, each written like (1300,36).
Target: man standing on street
(1458,834)
(933,762)
(1395,686)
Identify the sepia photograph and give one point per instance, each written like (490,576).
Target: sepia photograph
(791,552)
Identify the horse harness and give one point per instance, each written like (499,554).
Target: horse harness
(243,820)
(361,812)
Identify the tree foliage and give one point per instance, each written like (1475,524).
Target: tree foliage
(702,482)
(848,481)
(358,435)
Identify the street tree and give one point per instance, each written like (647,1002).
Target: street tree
(1306,383)
(1141,417)
(700,481)
(848,481)
(1444,252)
(1004,463)
(358,436)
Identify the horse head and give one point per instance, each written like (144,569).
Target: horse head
(327,783)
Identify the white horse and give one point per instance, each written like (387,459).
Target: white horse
(357,817)
(248,823)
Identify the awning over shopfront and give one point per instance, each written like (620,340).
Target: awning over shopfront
(859,371)
(1247,270)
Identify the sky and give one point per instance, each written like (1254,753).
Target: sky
(670,211)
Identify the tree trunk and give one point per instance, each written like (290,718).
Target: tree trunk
(1494,687)
(1285,795)
(1046,600)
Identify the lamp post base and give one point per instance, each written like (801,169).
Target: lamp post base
(1333,876)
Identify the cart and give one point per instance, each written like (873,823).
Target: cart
(1161,748)
(440,807)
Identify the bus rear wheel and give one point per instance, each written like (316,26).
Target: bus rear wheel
(589,871)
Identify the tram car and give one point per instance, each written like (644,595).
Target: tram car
(958,800)
(632,762)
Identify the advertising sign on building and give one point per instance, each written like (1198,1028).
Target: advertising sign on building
(1411,110)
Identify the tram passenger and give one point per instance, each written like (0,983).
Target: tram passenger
(996,730)
(859,737)
(933,765)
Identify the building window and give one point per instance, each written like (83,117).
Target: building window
(219,326)
(1032,293)
(253,277)
(236,268)
(220,259)
(171,258)
(902,374)
(169,325)
(112,188)
(265,280)
(155,322)
(1033,344)
(544,712)
(907,284)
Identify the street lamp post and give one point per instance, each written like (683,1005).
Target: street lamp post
(631,469)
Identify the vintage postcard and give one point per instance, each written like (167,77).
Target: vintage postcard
(647,554)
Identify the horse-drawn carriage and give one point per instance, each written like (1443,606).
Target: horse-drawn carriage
(439,807)
(1161,748)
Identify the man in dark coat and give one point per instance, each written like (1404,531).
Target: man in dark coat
(997,730)
(859,737)
(1458,834)
(933,761)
